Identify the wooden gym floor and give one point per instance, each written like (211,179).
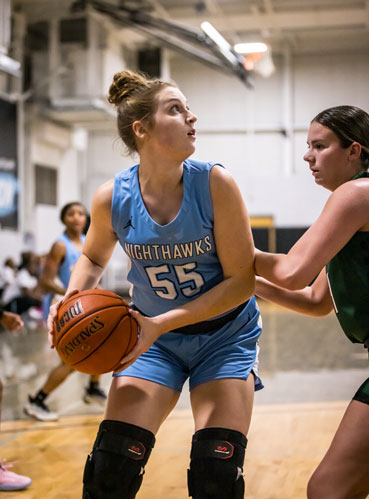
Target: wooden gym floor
(309,370)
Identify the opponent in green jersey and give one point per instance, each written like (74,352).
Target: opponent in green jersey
(337,246)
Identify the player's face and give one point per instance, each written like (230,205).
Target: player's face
(328,160)
(75,218)
(173,132)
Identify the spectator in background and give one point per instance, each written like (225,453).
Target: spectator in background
(59,263)
(24,293)
(7,275)
(10,481)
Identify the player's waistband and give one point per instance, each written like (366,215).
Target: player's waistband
(208,326)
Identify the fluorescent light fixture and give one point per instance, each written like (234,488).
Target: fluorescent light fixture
(9,65)
(250,48)
(221,42)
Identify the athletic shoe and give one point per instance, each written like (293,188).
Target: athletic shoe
(39,410)
(10,480)
(94,396)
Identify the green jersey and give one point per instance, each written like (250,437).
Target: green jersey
(348,279)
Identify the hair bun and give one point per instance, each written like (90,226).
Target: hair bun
(124,85)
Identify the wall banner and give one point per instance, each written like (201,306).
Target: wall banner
(8,165)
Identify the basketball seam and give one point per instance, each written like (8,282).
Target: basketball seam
(84,317)
(107,337)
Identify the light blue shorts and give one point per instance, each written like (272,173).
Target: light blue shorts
(230,352)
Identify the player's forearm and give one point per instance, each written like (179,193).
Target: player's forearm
(49,286)
(303,301)
(86,274)
(220,299)
(283,270)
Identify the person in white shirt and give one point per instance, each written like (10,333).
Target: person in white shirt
(7,275)
(24,293)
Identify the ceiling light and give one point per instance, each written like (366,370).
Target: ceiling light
(250,48)
(221,42)
(9,65)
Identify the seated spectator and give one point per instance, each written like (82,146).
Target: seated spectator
(10,481)
(24,293)
(7,275)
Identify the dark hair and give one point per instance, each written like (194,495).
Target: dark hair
(66,207)
(134,95)
(26,258)
(350,124)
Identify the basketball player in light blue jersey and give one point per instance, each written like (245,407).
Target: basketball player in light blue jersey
(60,261)
(184,226)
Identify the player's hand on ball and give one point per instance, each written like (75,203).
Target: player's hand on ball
(52,315)
(149,332)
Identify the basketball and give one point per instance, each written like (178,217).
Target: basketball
(94,330)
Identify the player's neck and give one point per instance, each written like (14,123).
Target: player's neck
(73,235)
(160,176)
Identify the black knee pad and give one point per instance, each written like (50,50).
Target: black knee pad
(115,467)
(216,466)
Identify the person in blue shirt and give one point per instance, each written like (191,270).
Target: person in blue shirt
(59,263)
(185,228)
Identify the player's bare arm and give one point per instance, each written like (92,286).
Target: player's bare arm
(90,266)
(53,260)
(99,244)
(314,300)
(345,213)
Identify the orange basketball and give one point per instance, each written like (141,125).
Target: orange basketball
(94,330)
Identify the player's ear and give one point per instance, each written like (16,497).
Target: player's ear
(139,129)
(355,151)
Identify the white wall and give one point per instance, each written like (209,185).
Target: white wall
(242,128)
(239,127)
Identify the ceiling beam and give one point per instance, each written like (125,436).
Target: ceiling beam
(309,19)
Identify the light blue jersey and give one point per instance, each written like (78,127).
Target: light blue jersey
(172,264)
(72,254)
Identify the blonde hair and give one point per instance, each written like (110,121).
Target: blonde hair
(134,95)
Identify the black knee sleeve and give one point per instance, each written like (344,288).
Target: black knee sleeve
(216,466)
(115,467)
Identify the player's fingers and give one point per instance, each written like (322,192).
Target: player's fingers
(68,295)
(50,323)
(132,356)
(139,318)
(50,337)
(50,318)
(129,359)
(53,314)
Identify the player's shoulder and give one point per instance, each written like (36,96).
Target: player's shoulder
(126,174)
(103,194)
(221,179)
(105,189)
(59,245)
(195,166)
(354,191)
